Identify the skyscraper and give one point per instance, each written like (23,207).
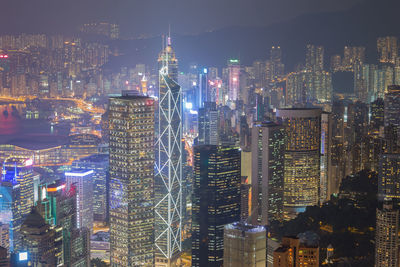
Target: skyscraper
(245,245)
(268,153)
(208,124)
(377,114)
(99,164)
(314,58)
(352,55)
(20,170)
(302,158)
(131,119)
(386,236)
(38,239)
(57,205)
(387,49)
(216,201)
(168,166)
(327,186)
(82,181)
(10,213)
(233,83)
(388,179)
(392,107)
(16,196)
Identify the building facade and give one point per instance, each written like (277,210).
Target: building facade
(168,165)
(215,201)
(244,245)
(131,121)
(302,158)
(268,146)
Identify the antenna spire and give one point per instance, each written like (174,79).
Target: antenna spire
(169,35)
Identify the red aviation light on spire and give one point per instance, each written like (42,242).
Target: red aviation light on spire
(149,102)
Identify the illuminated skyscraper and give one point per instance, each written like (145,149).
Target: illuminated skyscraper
(82,180)
(216,201)
(392,106)
(233,83)
(245,245)
(386,236)
(302,158)
(208,124)
(131,119)
(57,205)
(274,68)
(20,170)
(99,164)
(352,55)
(10,213)
(388,181)
(308,86)
(168,165)
(16,196)
(314,58)
(377,114)
(268,153)
(387,49)
(39,240)
(327,186)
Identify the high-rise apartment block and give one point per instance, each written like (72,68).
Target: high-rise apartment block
(387,49)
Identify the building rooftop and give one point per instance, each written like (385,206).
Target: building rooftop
(34,219)
(36,141)
(245,227)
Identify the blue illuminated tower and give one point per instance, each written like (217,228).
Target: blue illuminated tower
(168,164)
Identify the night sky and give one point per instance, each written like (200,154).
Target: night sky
(151,17)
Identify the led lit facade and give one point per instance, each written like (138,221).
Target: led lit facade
(20,170)
(215,201)
(302,158)
(168,163)
(10,213)
(99,164)
(233,83)
(131,120)
(268,154)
